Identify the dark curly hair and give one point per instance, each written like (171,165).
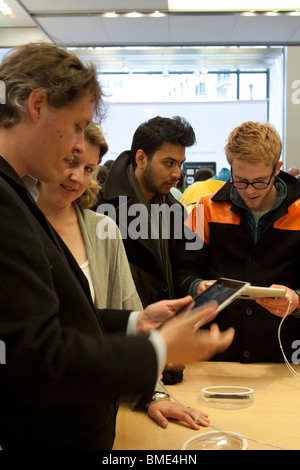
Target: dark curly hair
(152,134)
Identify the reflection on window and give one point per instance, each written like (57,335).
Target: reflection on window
(158,87)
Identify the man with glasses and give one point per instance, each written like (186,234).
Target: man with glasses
(251,232)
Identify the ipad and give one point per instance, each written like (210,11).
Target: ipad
(224,291)
(254,292)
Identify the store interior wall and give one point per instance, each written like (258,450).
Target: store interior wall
(292,107)
(283,112)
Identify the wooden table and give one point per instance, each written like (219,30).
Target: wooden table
(274,416)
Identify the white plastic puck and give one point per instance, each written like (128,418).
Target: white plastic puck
(228,397)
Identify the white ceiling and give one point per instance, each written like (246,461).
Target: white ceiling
(80,23)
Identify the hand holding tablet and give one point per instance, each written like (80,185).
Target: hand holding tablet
(254,292)
(223,291)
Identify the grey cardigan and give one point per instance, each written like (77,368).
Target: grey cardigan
(110,271)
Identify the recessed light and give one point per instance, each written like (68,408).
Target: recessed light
(133,14)
(233,5)
(248,13)
(157,14)
(294,13)
(6,10)
(110,14)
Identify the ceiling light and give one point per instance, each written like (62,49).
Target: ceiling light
(6,10)
(133,14)
(272,13)
(110,14)
(157,14)
(233,5)
(204,69)
(248,13)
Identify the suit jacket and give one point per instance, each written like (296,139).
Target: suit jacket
(63,371)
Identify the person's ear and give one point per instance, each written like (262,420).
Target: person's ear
(278,166)
(36,102)
(141,159)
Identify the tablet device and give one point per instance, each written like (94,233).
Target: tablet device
(254,292)
(223,291)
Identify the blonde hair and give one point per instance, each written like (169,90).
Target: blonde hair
(255,143)
(94,135)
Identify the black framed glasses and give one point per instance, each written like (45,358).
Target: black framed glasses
(256,184)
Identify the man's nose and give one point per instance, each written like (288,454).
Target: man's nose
(250,189)
(77,175)
(80,143)
(176,171)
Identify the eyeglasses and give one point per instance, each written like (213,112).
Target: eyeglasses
(256,184)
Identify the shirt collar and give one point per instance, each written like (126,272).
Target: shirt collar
(31,185)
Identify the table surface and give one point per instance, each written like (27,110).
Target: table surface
(273,417)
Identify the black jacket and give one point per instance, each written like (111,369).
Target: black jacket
(117,199)
(230,251)
(63,372)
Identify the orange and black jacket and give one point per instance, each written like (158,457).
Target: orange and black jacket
(234,248)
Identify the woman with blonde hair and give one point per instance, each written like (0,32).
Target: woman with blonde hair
(96,244)
(102,258)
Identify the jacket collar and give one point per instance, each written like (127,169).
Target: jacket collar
(9,173)
(116,183)
(292,193)
(12,178)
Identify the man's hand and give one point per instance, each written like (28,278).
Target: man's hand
(279,306)
(202,287)
(185,343)
(155,314)
(162,410)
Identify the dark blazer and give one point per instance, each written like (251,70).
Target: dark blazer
(63,372)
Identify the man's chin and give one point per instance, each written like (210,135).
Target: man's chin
(252,204)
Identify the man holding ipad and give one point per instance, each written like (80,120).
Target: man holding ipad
(67,364)
(251,233)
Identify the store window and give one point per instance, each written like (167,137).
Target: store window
(157,87)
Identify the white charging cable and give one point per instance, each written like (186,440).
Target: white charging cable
(198,420)
(291,369)
(201,422)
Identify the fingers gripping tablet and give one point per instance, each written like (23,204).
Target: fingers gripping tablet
(223,291)
(254,292)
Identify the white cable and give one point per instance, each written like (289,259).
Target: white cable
(291,369)
(198,420)
(251,439)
